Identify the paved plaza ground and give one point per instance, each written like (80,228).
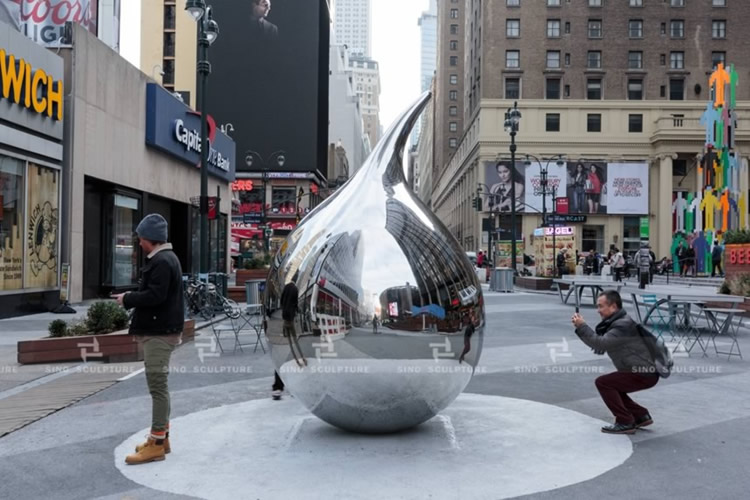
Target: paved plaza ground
(532,365)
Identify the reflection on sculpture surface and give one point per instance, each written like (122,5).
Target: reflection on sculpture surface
(386,299)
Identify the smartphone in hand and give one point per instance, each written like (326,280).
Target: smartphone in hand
(577,311)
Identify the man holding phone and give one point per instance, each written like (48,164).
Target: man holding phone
(157,324)
(617,335)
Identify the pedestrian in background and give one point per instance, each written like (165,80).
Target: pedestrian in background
(618,263)
(157,323)
(716,261)
(643,261)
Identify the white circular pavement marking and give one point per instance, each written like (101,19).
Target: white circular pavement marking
(479,447)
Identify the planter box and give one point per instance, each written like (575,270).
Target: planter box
(737,259)
(251,274)
(236,293)
(116,347)
(533,283)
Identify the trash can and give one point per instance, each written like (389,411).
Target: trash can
(502,280)
(253,291)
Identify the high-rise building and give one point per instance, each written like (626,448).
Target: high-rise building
(428,56)
(449,82)
(353,25)
(621,88)
(366,78)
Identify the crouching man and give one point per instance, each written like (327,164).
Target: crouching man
(617,335)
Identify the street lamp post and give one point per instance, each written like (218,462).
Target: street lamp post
(512,119)
(208,31)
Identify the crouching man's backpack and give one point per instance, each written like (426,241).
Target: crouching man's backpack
(659,351)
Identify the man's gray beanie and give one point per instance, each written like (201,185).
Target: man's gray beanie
(153,227)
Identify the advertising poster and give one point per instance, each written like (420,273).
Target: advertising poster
(44,20)
(545,254)
(627,191)
(497,176)
(504,252)
(587,187)
(269,75)
(556,179)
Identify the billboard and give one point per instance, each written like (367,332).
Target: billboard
(497,176)
(627,191)
(270,81)
(556,178)
(586,187)
(44,20)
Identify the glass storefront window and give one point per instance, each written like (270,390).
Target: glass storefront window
(121,262)
(631,241)
(593,238)
(11,223)
(283,201)
(42,260)
(217,248)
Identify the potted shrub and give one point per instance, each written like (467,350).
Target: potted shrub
(255,269)
(739,284)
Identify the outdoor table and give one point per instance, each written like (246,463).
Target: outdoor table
(577,284)
(684,325)
(666,294)
(725,327)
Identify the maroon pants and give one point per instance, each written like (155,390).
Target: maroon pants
(614,389)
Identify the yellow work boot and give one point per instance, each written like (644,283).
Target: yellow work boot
(149,452)
(167,448)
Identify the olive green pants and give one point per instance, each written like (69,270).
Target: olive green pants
(156,355)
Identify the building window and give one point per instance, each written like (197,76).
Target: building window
(567,59)
(718,29)
(677,60)
(513,3)
(593,122)
(283,201)
(595,28)
(512,59)
(453,126)
(553,28)
(553,3)
(594,59)
(635,90)
(454,79)
(453,44)
(567,91)
(453,111)
(718,57)
(635,123)
(169,16)
(676,89)
(553,59)
(663,29)
(454,61)
(677,3)
(513,28)
(595,3)
(553,122)
(663,91)
(453,142)
(454,13)
(453,95)
(567,27)
(636,3)
(553,88)
(635,59)
(719,3)
(677,28)
(594,88)
(169,43)
(454,29)
(512,88)
(168,68)
(12,174)
(635,28)
(663,59)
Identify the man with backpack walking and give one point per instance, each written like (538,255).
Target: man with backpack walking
(644,261)
(619,337)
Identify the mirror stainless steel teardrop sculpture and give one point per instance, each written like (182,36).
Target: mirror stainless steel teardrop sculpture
(390,318)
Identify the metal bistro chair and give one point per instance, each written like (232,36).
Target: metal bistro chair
(252,320)
(659,322)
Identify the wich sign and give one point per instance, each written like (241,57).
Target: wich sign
(29,87)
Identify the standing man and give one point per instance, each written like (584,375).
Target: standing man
(618,336)
(480,259)
(680,255)
(716,260)
(618,263)
(643,261)
(561,263)
(157,324)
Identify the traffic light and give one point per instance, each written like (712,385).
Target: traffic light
(477,203)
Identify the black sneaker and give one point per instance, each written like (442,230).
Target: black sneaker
(643,421)
(619,429)
(276,395)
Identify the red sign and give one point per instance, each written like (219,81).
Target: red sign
(314,188)
(242,185)
(739,255)
(562,206)
(211,207)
